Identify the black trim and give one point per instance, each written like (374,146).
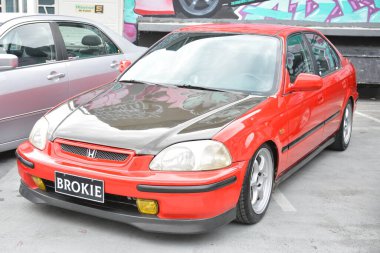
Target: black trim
(145,222)
(310,49)
(304,161)
(186,189)
(331,117)
(58,41)
(24,161)
(308,133)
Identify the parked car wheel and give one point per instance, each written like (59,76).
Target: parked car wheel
(257,187)
(198,8)
(343,136)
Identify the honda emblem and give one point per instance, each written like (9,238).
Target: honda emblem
(91,153)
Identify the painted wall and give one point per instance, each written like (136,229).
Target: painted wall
(330,11)
(325,11)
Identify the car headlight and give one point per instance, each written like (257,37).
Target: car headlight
(38,136)
(192,156)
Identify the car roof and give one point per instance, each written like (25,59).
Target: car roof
(22,17)
(264,29)
(8,20)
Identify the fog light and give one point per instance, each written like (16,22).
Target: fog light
(147,206)
(40,184)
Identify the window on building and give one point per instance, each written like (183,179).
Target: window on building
(1,6)
(298,58)
(46,6)
(11,5)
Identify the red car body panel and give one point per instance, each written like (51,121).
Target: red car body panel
(157,7)
(279,120)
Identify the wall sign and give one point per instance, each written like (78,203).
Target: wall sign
(89,8)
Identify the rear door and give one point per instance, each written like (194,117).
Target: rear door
(37,84)
(305,109)
(329,68)
(93,59)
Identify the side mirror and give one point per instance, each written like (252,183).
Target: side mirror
(8,61)
(124,64)
(306,82)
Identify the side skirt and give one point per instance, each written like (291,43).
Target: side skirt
(304,161)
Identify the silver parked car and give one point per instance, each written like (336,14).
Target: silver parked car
(45,59)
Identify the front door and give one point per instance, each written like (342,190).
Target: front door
(304,109)
(38,83)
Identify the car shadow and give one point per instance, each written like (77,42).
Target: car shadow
(6,162)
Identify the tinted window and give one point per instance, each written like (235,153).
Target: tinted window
(32,44)
(83,41)
(298,59)
(225,61)
(327,59)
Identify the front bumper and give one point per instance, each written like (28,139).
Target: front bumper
(144,222)
(199,200)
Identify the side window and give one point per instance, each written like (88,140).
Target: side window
(326,58)
(298,58)
(32,44)
(84,41)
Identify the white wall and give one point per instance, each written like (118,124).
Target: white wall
(112,16)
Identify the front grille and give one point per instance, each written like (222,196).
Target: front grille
(98,154)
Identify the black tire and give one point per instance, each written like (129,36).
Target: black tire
(245,212)
(341,143)
(180,6)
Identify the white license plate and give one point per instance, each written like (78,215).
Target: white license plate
(79,187)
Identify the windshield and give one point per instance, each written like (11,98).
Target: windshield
(238,62)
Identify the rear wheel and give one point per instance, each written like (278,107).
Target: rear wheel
(257,187)
(343,137)
(198,8)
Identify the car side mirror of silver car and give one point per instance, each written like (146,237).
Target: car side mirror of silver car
(8,61)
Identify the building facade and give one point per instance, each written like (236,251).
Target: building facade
(108,12)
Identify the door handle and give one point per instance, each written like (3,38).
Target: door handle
(54,75)
(114,64)
(320,99)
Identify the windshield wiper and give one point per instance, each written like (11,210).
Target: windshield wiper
(143,82)
(135,81)
(195,87)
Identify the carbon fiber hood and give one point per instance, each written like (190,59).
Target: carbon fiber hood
(146,118)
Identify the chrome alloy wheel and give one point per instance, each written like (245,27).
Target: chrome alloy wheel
(199,7)
(347,124)
(261,180)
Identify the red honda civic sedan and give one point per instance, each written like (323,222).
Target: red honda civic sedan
(197,132)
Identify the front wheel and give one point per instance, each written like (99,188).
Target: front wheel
(343,137)
(198,8)
(257,187)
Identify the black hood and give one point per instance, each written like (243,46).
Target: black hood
(147,118)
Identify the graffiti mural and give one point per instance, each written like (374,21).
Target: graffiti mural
(330,11)
(326,11)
